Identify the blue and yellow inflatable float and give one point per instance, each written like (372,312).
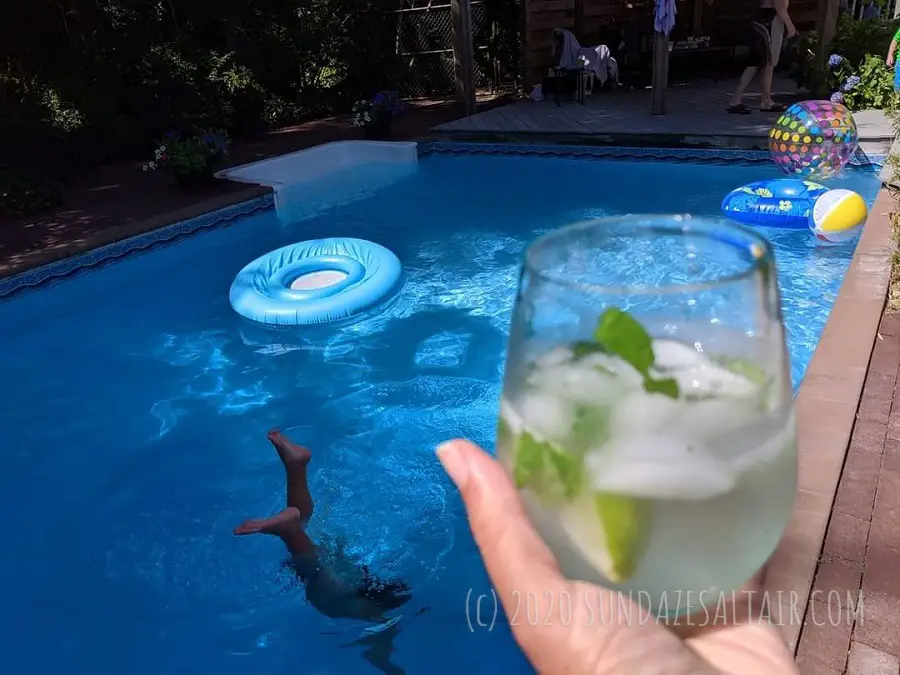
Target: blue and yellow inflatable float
(316,281)
(782,202)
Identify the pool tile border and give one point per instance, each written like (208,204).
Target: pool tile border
(141,243)
(860,159)
(67,267)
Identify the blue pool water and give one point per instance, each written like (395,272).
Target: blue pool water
(135,406)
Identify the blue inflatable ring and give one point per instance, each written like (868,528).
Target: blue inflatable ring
(782,202)
(263,292)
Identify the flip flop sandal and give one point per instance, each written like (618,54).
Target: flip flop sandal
(777,107)
(739,109)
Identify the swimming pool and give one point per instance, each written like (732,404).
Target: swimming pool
(136,405)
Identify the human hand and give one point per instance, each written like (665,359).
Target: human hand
(791,30)
(889,60)
(519,562)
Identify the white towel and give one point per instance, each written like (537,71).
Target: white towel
(596,59)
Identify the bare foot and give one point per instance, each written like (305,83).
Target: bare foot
(290,453)
(286,521)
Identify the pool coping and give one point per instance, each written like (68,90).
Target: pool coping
(826,408)
(147,234)
(826,403)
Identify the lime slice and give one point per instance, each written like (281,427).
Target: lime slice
(626,523)
(755,375)
(745,368)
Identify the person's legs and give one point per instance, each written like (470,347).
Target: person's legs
(776,39)
(295,459)
(765,87)
(746,78)
(287,526)
(760,55)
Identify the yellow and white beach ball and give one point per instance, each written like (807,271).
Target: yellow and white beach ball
(838,215)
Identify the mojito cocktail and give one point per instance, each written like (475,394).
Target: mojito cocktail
(647,413)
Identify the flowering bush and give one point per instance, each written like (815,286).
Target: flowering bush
(867,85)
(189,156)
(386,104)
(855,45)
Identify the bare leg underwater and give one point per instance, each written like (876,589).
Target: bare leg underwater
(325,590)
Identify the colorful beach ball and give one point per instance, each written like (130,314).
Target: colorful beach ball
(838,216)
(813,139)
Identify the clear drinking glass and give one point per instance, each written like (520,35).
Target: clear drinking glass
(647,411)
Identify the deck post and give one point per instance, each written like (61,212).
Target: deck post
(464,53)
(697,23)
(828,19)
(579,20)
(660,73)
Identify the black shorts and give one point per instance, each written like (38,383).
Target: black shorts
(760,43)
(387,595)
(760,36)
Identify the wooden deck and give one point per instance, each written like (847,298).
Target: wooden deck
(695,116)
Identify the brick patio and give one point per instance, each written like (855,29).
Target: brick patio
(861,552)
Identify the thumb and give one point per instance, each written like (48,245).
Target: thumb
(517,560)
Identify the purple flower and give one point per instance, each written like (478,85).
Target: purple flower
(170,135)
(835,60)
(837,97)
(851,83)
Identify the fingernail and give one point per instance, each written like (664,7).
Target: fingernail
(452,455)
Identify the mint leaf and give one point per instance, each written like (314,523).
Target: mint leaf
(619,333)
(546,469)
(591,428)
(582,349)
(529,461)
(568,471)
(667,387)
(504,433)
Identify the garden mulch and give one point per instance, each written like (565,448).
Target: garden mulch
(113,202)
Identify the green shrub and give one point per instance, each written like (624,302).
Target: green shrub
(864,87)
(24,193)
(862,47)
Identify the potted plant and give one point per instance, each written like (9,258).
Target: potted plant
(377,115)
(191,160)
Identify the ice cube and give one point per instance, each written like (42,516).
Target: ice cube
(672,355)
(621,369)
(638,413)
(659,467)
(555,357)
(710,378)
(712,417)
(765,447)
(579,383)
(548,416)
(511,417)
